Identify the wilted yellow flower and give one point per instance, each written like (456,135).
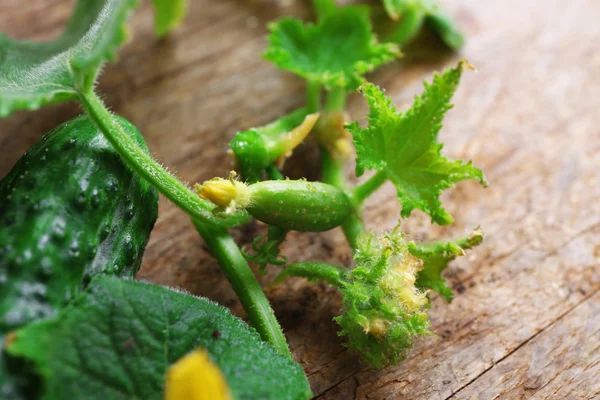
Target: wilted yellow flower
(333,136)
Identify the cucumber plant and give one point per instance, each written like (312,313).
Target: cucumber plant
(385,294)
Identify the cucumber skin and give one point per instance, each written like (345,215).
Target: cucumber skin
(298,205)
(70,209)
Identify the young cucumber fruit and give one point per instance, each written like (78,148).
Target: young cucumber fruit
(69,209)
(290,205)
(298,205)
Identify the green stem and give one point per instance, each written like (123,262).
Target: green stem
(273,173)
(336,99)
(313,97)
(221,244)
(144,165)
(353,229)
(333,174)
(408,27)
(315,271)
(333,171)
(364,190)
(241,278)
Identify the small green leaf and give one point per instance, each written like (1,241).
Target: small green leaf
(169,14)
(336,51)
(118,339)
(436,256)
(266,249)
(415,13)
(35,74)
(405,146)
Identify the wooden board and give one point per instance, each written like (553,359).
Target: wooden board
(525,320)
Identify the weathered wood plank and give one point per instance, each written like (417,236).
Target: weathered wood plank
(562,361)
(528,118)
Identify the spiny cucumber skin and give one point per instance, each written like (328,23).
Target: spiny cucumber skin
(298,205)
(69,209)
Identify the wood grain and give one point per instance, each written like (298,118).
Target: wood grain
(525,320)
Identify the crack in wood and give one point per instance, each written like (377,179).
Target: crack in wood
(560,317)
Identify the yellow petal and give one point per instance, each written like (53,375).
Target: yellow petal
(293,138)
(196,377)
(223,192)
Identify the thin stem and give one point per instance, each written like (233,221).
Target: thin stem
(313,97)
(273,173)
(408,27)
(364,190)
(243,282)
(336,99)
(218,240)
(353,229)
(333,170)
(315,271)
(148,168)
(333,173)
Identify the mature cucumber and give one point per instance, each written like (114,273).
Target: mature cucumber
(70,209)
(298,205)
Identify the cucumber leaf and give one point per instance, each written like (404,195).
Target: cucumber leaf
(118,339)
(436,256)
(405,146)
(413,14)
(35,74)
(335,52)
(169,14)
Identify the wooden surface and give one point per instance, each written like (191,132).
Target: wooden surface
(525,321)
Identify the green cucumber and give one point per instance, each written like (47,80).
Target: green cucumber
(70,209)
(298,205)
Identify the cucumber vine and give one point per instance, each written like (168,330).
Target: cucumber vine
(386,293)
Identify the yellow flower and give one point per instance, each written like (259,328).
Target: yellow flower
(228,194)
(196,377)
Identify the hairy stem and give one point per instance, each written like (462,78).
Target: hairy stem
(245,285)
(148,168)
(218,240)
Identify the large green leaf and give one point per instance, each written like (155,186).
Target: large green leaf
(36,74)
(117,340)
(405,147)
(336,51)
